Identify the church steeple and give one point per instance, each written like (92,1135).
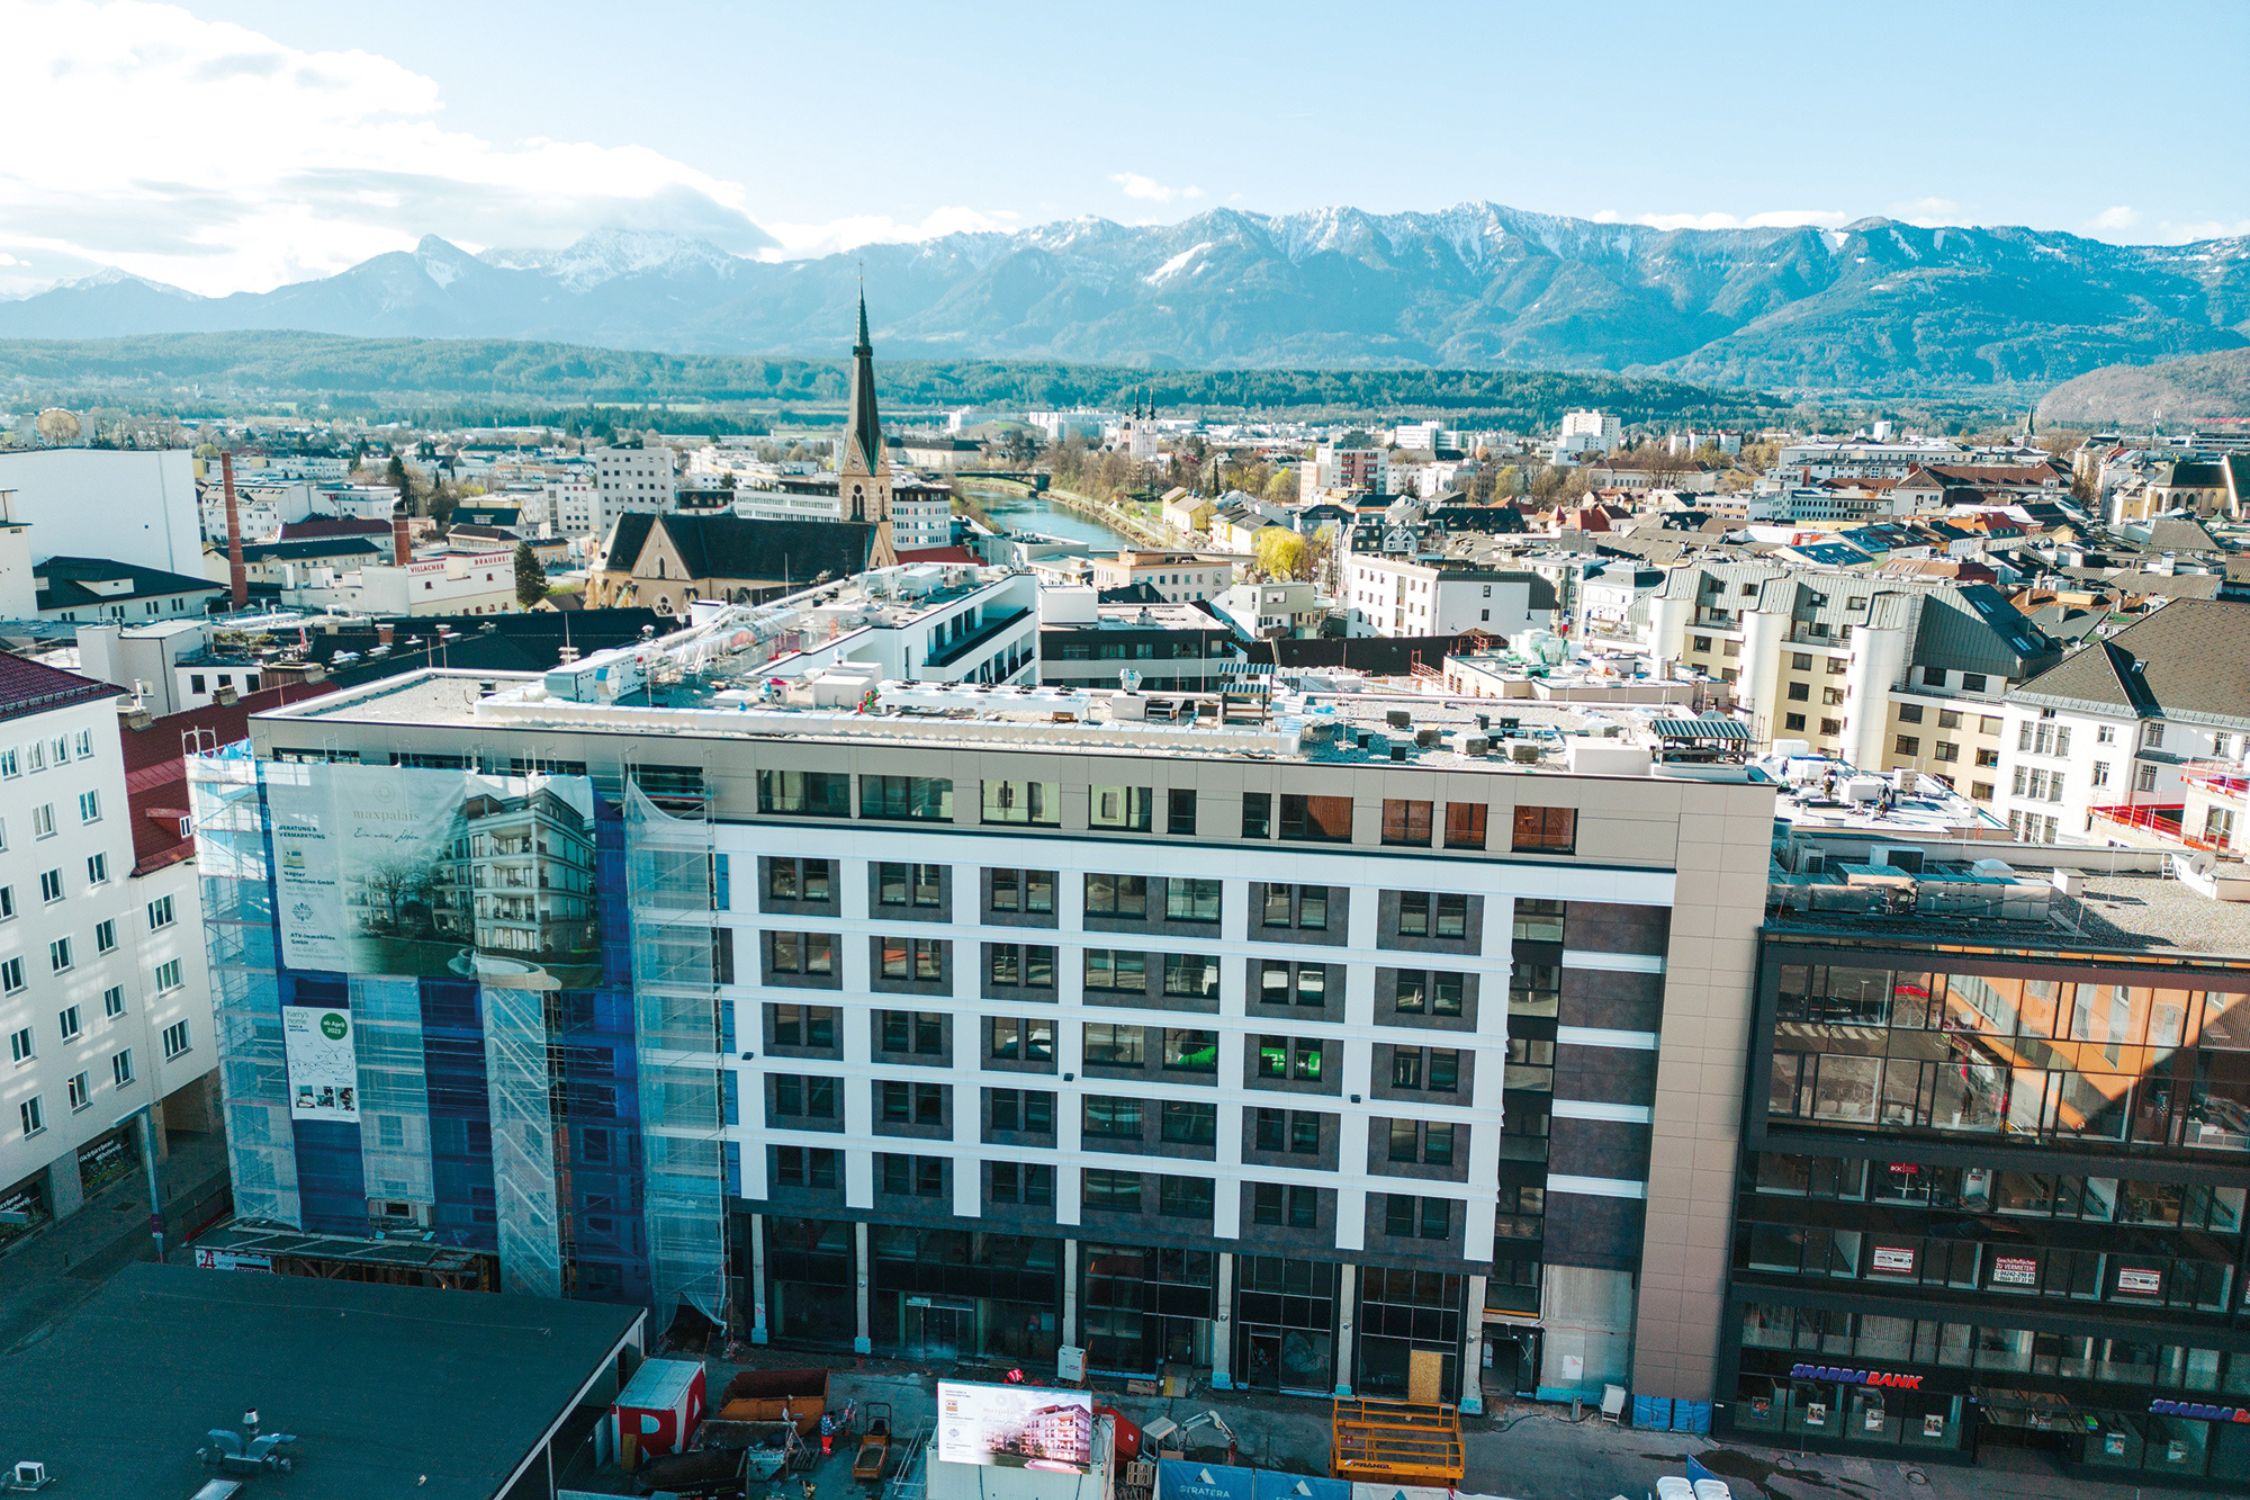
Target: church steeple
(863,468)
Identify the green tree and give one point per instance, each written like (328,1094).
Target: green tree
(1281,487)
(531,579)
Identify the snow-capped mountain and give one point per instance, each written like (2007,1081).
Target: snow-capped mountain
(1875,305)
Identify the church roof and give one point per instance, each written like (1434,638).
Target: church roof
(743,548)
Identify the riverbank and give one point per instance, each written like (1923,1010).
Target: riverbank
(1122,523)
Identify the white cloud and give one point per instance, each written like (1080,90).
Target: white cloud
(211,156)
(1930,210)
(2175,232)
(1149,190)
(2115,220)
(1774,218)
(797,240)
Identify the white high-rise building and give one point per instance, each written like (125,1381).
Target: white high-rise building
(629,479)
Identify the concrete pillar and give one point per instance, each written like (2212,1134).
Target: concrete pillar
(758,1332)
(1070,1294)
(864,1341)
(1222,1327)
(1347,1285)
(1472,1352)
(66,1191)
(1765,635)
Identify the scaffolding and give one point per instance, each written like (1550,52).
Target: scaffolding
(1396,1442)
(227,806)
(668,863)
(521,1085)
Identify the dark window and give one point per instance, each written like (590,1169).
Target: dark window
(804,1097)
(913,799)
(1113,1192)
(1034,804)
(1023,1038)
(804,1026)
(918,959)
(1404,822)
(918,1031)
(1316,820)
(1538,920)
(1191,900)
(800,879)
(1023,890)
(804,1167)
(801,952)
(1192,974)
(1129,808)
(1545,830)
(1111,1118)
(1180,811)
(1184,1197)
(1188,1123)
(1117,895)
(1115,969)
(1023,965)
(907,885)
(1191,1050)
(1031,1184)
(1408,1217)
(1257,815)
(805,794)
(1296,1207)
(1115,1046)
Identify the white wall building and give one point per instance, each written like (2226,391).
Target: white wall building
(1397,596)
(482,583)
(631,479)
(128,506)
(105,1003)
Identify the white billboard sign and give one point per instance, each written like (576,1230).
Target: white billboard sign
(1015,1426)
(323,1063)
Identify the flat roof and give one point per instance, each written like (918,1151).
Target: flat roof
(389,1390)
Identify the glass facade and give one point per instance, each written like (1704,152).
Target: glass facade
(1987,1198)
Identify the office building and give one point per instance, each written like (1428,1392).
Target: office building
(1306,1042)
(1993,1178)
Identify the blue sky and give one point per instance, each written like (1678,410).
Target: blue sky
(245,142)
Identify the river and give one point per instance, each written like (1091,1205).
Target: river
(1011,508)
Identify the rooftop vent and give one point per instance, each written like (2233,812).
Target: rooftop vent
(1398,718)
(1427,738)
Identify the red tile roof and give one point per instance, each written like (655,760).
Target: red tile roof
(30,687)
(156,789)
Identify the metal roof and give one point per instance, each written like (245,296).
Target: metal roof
(1701,729)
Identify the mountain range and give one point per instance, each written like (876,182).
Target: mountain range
(1875,306)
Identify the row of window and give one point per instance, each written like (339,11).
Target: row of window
(62,957)
(78,1090)
(1135,809)
(1192,1050)
(1120,970)
(39,754)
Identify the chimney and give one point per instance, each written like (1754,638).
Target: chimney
(238,576)
(401,553)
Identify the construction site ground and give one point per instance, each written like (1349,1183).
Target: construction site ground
(1519,1450)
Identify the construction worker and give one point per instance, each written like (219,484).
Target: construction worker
(827,1434)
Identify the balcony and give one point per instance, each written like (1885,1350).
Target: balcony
(2218,778)
(2148,825)
(995,626)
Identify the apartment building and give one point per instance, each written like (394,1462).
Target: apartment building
(1327,1044)
(1406,596)
(1885,673)
(1333,466)
(631,480)
(104,997)
(1992,1189)
(1180,577)
(2113,745)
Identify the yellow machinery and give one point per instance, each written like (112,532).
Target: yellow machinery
(1396,1442)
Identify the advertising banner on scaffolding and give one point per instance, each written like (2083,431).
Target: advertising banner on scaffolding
(434,873)
(323,1062)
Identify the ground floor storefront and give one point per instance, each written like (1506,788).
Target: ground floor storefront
(1160,1314)
(2125,1405)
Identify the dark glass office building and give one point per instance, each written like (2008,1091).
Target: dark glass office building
(1992,1190)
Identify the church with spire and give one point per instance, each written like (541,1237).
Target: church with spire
(863,467)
